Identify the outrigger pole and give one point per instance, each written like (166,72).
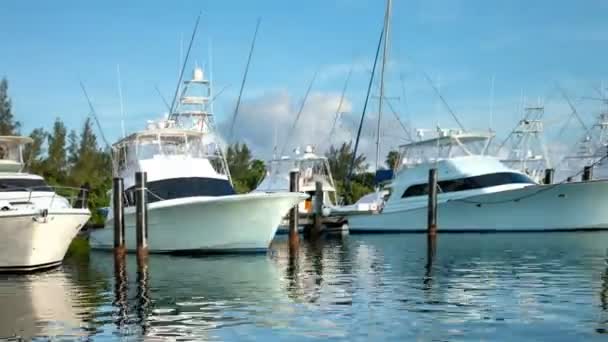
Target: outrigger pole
(181,74)
(369,89)
(238,101)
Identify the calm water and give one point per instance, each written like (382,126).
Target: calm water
(361,287)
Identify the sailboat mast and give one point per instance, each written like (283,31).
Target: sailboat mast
(387,20)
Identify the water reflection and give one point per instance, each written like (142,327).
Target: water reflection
(471,286)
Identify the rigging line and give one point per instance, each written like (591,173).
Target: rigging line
(181,74)
(122,111)
(238,101)
(369,89)
(337,115)
(406,106)
(162,98)
(295,122)
(445,103)
(94,115)
(403,126)
(574,111)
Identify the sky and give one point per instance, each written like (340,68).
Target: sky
(526,48)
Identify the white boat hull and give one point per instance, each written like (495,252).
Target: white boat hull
(31,241)
(235,223)
(558,207)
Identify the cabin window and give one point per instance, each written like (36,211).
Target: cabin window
(23,184)
(173,188)
(470,183)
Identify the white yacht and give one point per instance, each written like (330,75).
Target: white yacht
(479,193)
(312,167)
(192,204)
(37,224)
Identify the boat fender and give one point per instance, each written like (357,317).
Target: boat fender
(326,211)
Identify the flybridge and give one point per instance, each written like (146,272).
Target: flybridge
(441,144)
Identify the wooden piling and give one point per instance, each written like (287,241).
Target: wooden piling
(548,176)
(294,186)
(141,209)
(318,212)
(587,173)
(432,206)
(119,214)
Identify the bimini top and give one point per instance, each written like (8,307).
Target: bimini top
(451,137)
(444,144)
(154,133)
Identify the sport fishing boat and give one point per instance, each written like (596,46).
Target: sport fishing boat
(477,192)
(312,167)
(192,205)
(37,223)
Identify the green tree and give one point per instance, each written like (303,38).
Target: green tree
(392,159)
(340,158)
(91,169)
(245,171)
(73,148)
(55,162)
(8,125)
(32,153)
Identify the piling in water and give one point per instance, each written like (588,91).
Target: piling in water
(141,209)
(294,186)
(587,173)
(118,189)
(432,206)
(548,176)
(318,212)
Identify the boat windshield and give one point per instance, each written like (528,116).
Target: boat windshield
(163,145)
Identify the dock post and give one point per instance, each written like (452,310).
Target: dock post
(587,173)
(294,185)
(548,176)
(432,206)
(118,189)
(318,213)
(141,209)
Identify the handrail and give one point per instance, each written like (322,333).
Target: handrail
(72,198)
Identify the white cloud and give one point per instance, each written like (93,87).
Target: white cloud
(269,118)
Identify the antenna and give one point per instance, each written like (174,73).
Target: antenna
(181,74)
(295,122)
(445,103)
(238,101)
(122,111)
(94,115)
(491,103)
(338,110)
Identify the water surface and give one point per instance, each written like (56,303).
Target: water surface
(359,287)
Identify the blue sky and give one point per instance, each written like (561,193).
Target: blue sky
(47,47)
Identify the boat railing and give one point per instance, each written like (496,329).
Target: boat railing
(76,197)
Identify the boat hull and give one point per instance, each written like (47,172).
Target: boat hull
(557,207)
(31,241)
(225,224)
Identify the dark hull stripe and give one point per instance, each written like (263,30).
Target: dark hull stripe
(30,268)
(194,252)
